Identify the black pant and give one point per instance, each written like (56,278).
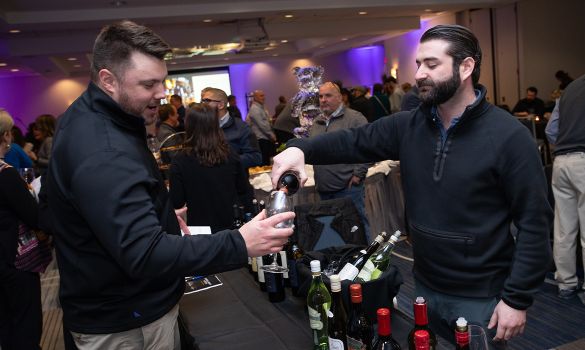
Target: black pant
(267,149)
(21,315)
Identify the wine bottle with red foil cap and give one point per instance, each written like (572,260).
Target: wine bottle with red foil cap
(461,334)
(422,340)
(385,340)
(421,322)
(359,328)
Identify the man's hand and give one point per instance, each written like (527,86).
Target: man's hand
(182,219)
(291,158)
(510,321)
(354,181)
(262,237)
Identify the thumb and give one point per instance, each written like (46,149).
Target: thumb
(493,320)
(261,216)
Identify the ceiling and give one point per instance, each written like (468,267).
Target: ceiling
(56,36)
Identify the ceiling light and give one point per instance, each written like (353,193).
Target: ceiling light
(2,64)
(288,16)
(118,3)
(77,65)
(428,10)
(14,31)
(207,20)
(322,46)
(71,59)
(284,41)
(362,13)
(15,70)
(274,55)
(343,39)
(173,62)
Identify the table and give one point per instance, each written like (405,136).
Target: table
(384,201)
(237,315)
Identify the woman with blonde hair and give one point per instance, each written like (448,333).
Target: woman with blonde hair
(21,320)
(207,176)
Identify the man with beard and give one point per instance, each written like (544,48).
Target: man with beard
(122,259)
(469,170)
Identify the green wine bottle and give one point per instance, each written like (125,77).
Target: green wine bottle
(318,304)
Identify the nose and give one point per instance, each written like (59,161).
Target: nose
(159,94)
(420,73)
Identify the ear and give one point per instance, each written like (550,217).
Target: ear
(108,81)
(466,68)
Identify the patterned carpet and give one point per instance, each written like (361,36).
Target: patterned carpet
(553,323)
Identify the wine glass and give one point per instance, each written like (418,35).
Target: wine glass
(477,338)
(278,202)
(28,174)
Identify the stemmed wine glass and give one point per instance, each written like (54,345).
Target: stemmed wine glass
(27,174)
(278,202)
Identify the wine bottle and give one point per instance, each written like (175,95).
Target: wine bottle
(359,329)
(379,261)
(238,222)
(294,253)
(288,182)
(255,209)
(421,322)
(461,334)
(338,319)
(318,303)
(385,340)
(353,267)
(422,340)
(261,261)
(274,286)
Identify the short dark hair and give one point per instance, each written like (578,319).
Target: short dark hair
(165,111)
(378,87)
(462,44)
(532,89)
(231,97)
(116,42)
(177,97)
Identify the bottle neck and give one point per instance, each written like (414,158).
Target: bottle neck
(420,314)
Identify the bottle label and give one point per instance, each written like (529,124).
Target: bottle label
(366,272)
(354,344)
(335,344)
(259,265)
(376,274)
(348,272)
(315,319)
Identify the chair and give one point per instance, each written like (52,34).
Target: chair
(539,138)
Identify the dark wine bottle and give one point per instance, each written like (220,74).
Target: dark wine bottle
(274,286)
(461,334)
(294,253)
(385,340)
(359,329)
(421,322)
(255,209)
(288,182)
(352,268)
(238,222)
(422,340)
(338,317)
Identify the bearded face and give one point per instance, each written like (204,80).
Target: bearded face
(433,92)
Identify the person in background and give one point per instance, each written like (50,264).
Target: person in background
(530,105)
(406,87)
(208,175)
(380,103)
(339,179)
(169,122)
(410,100)
(469,171)
(360,103)
(564,79)
(21,319)
(394,92)
(279,107)
(346,97)
(122,259)
(259,122)
(566,129)
(232,107)
(177,102)
(285,124)
(16,156)
(43,131)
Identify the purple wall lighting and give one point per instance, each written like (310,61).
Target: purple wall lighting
(366,64)
(239,74)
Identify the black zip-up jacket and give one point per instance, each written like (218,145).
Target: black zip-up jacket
(461,197)
(121,258)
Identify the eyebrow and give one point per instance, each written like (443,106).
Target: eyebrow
(428,59)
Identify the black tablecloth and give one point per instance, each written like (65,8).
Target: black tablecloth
(237,315)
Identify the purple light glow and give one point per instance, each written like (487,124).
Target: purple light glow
(239,74)
(366,64)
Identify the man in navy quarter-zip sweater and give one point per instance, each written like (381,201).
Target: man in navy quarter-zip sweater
(469,170)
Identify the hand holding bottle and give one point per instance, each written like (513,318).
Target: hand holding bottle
(261,235)
(290,159)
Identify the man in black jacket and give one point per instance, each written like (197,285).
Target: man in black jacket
(121,255)
(469,170)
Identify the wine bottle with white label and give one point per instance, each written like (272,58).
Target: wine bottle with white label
(379,261)
(352,268)
(318,303)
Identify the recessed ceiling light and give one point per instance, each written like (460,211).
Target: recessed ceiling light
(288,16)
(2,64)
(72,59)
(428,10)
(118,3)
(274,55)
(284,41)
(343,39)
(226,59)
(14,31)
(362,13)
(207,20)
(322,46)
(15,70)
(173,62)
(77,65)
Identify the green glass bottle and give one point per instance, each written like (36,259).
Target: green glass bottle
(318,304)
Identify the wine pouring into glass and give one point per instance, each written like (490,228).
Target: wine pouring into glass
(280,201)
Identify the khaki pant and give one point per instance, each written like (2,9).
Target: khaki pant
(568,184)
(162,334)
